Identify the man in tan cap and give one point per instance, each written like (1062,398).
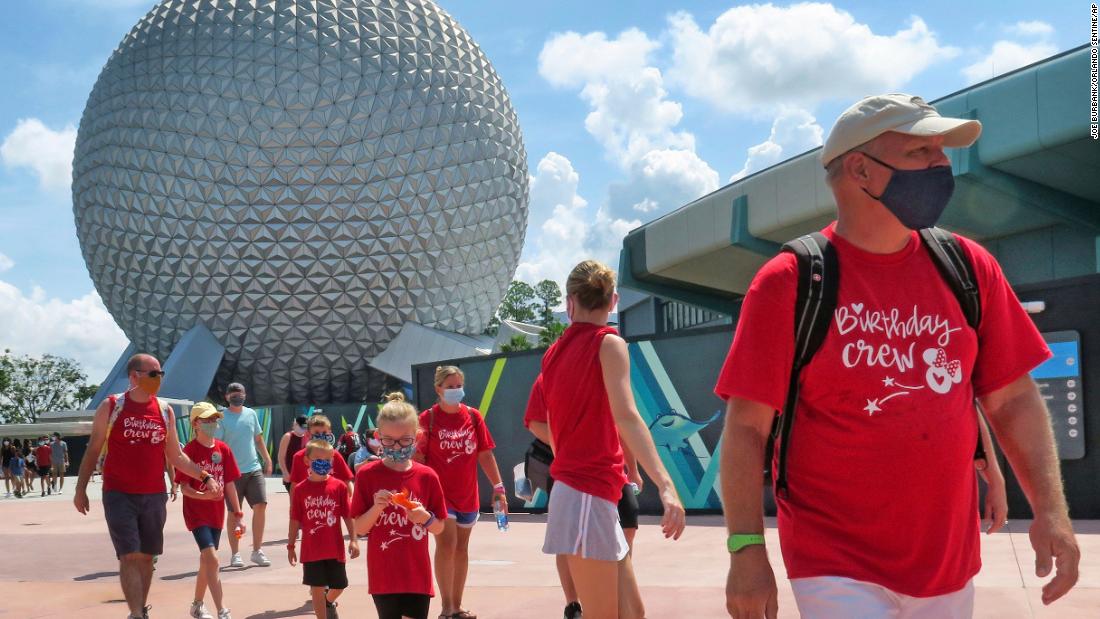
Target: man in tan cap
(878,509)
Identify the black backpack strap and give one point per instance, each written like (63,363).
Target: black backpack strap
(953,265)
(818,283)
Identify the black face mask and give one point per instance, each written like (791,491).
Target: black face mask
(916,197)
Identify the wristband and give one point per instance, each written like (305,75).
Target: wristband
(238,515)
(738,541)
(499,488)
(291,545)
(429,521)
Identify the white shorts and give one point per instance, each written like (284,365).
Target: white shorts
(583,525)
(835,597)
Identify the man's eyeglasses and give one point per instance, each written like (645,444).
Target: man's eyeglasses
(404,442)
(149,373)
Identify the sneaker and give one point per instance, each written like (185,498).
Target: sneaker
(198,611)
(573,611)
(145,611)
(260,559)
(331,608)
(236,560)
(224,614)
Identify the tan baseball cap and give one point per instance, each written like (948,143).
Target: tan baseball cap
(205,410)
(870,117)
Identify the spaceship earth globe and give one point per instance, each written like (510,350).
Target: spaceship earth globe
(302,177)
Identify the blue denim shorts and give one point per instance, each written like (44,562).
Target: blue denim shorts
(466,520)
(207,537)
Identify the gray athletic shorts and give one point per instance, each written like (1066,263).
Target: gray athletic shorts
(251,487)
(583,525)
(136,521)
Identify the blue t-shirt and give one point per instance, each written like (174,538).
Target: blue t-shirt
(16,466)
(239,430)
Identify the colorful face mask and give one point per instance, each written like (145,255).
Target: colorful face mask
(399,454)
(321,467)
(453,396)
(324,436)
(148,384)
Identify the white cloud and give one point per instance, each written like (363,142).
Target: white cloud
(1007,56)
(567,232)
(5,263)
(662,180)
(48,153)
(794,131)
(80,329)
(571,59)
(757,56)
(1031,28)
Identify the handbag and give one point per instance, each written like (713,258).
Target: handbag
(536,463)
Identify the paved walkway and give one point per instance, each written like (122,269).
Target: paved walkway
(56,563)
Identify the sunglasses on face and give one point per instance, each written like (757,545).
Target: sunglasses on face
(150,373)
(404,441)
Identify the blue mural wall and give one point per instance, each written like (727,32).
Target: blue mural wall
(672,379)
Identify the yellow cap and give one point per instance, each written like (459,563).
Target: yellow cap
(205,410)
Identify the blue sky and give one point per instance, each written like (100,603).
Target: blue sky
(628,110)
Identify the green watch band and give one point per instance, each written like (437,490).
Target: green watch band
(737,541)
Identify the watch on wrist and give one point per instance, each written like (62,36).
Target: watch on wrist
(738,541)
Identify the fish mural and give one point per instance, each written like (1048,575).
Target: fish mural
(673,429)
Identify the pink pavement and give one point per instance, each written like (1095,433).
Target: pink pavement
(57,563)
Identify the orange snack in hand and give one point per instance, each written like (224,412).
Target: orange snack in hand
(402,499)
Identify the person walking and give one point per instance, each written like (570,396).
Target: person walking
(16,465)
(240,429)
(43,456)
(894,381)
(292,441)
(586,384)
(135,432)
(6,453)
(454,441)
(59,462)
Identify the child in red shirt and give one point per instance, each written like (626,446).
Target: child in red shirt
(203,512)
(318,505)
(398,502)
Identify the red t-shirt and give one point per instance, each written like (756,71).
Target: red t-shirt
(219,462)
(397,549)
(882,483)
(300,471)
(536,404)
(451,449)
(587,453)
(135,449)
(319,507)
(42,455)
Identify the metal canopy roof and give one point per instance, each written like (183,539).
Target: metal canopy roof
(1035,166)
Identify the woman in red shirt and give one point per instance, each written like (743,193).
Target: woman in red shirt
(586,385)
(454,442)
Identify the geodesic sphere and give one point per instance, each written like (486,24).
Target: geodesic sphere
(302,177)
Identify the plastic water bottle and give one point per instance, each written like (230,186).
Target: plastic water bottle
(501,515)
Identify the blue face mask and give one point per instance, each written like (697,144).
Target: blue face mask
(916,197)
(210,428)
(453,396)
(321,467)
(325,436)
(399,454)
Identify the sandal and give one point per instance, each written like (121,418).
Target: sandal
(463,614)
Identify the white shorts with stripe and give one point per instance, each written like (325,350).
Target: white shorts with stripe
(835,597)
(583,525)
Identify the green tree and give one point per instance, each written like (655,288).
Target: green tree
(551,334)
(549,294)
(519,304)
(84,395)
(516,344)
(38,384)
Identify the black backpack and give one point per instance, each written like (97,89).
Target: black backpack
(818,283)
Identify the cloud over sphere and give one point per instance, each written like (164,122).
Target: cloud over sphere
(757,56)
(47,153)
(81,329)
(567,230)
